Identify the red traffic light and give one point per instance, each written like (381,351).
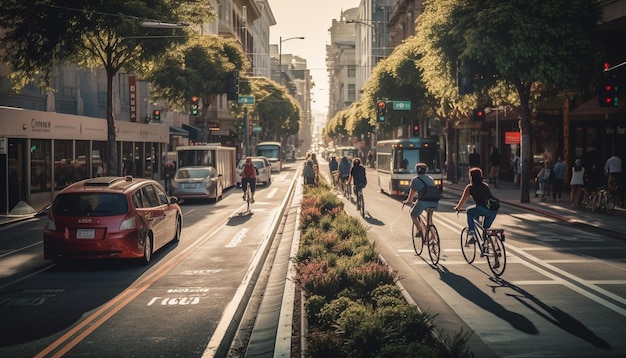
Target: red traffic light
(606,65)
(381,105)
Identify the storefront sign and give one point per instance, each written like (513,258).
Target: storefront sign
(132,92)
(511,137)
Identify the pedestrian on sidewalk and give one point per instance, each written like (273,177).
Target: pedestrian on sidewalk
(577,181)
(474,159)
(494,166)
(517,170)
(543,180)
(559,177)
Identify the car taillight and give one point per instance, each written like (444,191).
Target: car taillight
(128,224)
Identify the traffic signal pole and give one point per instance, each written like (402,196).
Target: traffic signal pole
(246,135)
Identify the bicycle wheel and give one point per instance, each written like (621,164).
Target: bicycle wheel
(469,249)
(496,258)
(595,202)
(418,242)
(434,247)
(609,202)
(361,203)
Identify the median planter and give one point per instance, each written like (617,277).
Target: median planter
(353,306)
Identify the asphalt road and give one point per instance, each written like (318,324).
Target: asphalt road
(186,303)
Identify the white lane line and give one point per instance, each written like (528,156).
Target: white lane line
(572,278)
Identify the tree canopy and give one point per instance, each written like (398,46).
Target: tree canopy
(41,35)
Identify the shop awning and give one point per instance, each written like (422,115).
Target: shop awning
(194,132)
(178,131)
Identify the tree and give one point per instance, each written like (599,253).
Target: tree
(278,112)
(530,45)
(198,67)
(40,35)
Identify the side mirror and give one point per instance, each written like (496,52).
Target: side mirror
(173,200)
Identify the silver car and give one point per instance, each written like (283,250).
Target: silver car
(197,183)
(264,169)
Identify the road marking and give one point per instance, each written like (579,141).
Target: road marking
(272,193)
(569,282)
(238,238)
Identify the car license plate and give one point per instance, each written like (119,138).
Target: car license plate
(189,186)
(85,233)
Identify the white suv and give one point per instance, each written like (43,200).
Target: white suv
(263,166)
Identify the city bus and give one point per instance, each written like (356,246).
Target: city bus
(348,152)
(223,159)
(396,159)
(273,152)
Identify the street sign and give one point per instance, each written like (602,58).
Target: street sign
(245,100)
(401,105)
(257,129)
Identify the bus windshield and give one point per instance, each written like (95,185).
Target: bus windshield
(406,158)
(268,151)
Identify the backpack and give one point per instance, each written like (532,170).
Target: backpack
(428,193)
(492,203)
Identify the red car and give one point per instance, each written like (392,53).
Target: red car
(111,217)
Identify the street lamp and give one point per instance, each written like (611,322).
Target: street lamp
(163,25)
(366,24)
(280,55)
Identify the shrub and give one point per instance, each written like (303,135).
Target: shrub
(315,276)
(367,277)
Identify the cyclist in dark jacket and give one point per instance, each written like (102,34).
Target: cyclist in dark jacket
(357,174)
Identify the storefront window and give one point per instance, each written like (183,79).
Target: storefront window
(139,159)
(99,159)
(127,158)
(82,161)
(63,168)
(40,165)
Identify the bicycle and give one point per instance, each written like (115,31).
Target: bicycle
(603,201)
(247,197)
(360,201)
(490,243)
(431,236)
(346,190)
(585,199)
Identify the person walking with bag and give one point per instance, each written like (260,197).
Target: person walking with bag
(577,181)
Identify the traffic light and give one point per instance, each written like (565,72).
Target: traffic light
(232,86)
(415,128)
(195,109)
(608,95)
(381,110)
(478,115)
(156,115)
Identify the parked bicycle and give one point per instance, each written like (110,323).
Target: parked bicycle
(490,243)
(603,201)
(430,237)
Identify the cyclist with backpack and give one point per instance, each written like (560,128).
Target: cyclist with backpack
(357,173)
(427,195)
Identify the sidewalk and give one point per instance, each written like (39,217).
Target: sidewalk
(612,225)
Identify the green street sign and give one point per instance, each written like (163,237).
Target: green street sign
(401,105)
(257,129)
(245,100)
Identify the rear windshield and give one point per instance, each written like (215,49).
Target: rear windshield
(193,173)
(90,204)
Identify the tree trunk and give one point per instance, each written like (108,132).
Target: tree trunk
(111,142)
(525,154)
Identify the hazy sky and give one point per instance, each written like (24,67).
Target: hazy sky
(311,19)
